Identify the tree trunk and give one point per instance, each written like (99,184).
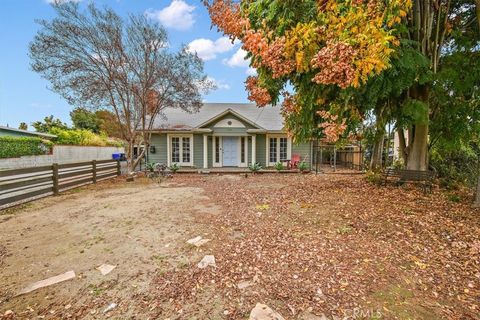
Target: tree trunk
(377,151)
(476,203)
(130,160)
(417,158)
(402,148)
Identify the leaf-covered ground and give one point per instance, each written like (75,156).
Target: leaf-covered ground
(329,244)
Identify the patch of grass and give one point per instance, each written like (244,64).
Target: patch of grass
(399,302)
(344,230)
(96,290)
(454,198)
(16,209)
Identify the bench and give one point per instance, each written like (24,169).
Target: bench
(415,176)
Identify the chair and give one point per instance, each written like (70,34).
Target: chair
(293,163)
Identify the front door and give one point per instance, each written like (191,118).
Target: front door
(230,148)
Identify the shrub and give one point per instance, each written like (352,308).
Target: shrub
(279,166)
(255,167)
(374,177)
(302,166)
(12,147)
(174,167)
(82,137)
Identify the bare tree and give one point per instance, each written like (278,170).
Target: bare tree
(99,60)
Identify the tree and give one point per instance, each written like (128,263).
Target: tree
(316,48)
(23,126)
(99,60)
(48,124)
(109,124)
(85,119)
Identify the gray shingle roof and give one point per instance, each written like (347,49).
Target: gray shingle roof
(32,133)
(268,117)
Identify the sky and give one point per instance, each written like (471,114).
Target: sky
(24,95)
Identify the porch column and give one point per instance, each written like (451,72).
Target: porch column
(254,148)
(205,151)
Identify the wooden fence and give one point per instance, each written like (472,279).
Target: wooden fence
(26,184)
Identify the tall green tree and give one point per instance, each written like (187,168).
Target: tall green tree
(48,124)
(83,118)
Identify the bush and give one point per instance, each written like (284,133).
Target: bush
(374,177)
(302,166)
(174,167)
(82,137)
(12,147)
(456,167)
(279,166)
(255,167)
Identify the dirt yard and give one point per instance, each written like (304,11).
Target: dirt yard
(310,247)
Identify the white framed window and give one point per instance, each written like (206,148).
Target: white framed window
(279,149)
(180,149)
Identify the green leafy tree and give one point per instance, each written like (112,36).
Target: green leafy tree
(23,126)
(48,124)
(85,119)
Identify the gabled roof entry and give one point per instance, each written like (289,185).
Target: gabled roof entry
(224,113)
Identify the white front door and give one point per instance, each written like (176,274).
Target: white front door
(230,147)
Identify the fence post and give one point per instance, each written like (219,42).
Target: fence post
(118,168)
(55,178)
(94,171)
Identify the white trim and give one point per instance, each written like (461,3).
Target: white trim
(169,148)
(239,151)
(267,147)
(254,149)
(238,115)
(205,151)
(220,156)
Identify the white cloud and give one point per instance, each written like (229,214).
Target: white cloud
(178,15)
(238,59)
(207,49)
(220,84)
(251,71)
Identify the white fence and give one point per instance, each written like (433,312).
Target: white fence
(61,154)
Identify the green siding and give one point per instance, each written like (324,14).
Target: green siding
(160,143)
(210,150)
(198,150)
(261,149)
(304,150)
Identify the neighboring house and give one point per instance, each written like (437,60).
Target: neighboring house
(12,132)
(224,135)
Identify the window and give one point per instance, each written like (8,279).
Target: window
(278,149)
(217,149)
(175,149)
(185,150)
(283,149)
(180,150)
(242,149)
(273,150)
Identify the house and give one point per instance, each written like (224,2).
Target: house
(224,135)
(18,133)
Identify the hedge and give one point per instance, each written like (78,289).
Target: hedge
(13,147)
(82,137)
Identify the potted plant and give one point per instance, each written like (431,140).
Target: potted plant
(174,167)
(279,166)
(254,168)
(303,167)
